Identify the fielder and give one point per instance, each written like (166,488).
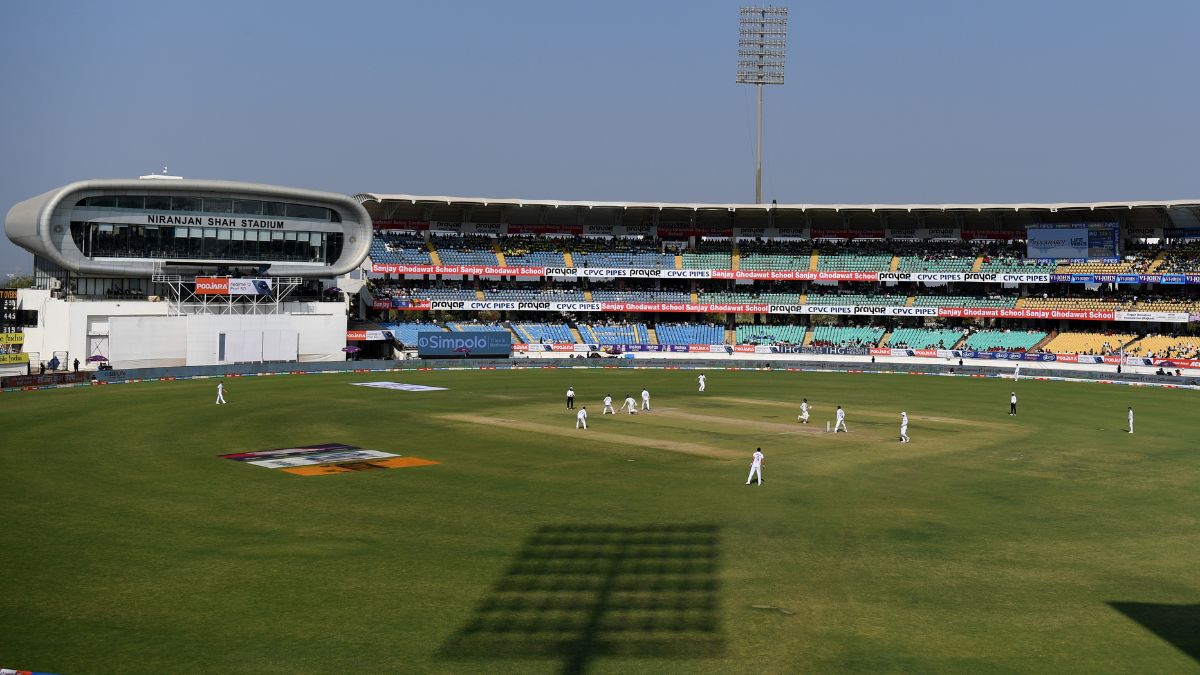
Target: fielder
(646,400)
(608,409)
(803,416)
(841,421)
(1012,405)
(701,378)
(1017,373)
(570,398)
(581,418)
(630,404)
(756,467)
(220,393)
(1131,419)
(903,427)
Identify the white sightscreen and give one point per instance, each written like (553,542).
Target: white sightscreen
(280,345)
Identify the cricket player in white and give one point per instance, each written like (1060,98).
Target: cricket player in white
(903,427)
(608,409)
(220,393)
(841,421)
(1131,420)
(803,417)
(701,378)
(630,404)
(1017,373)
(581,418)
(645,399)
(756,467)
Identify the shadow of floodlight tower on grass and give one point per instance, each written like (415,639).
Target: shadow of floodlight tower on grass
(577,592)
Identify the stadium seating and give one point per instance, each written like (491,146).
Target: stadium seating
(535,259)
(399,249)
(925,338)
(1180,259)
(689,333)
(726,297)
(442,293)
(619,252)
(466,250)
(869,299)
(618,334)
(465,326)
(406,333)
(544,332)
(1163,305)
(1003,341)
(1087,343)
(1124,267)
(1163,346)
(533,251)
(641,296)
(1093,303)
(769,334)
(774,262)
(963,301)
(625,260)
(1017,265)
(918,263)
(847,336)
(707,261)
(533,295)
(775,255)
(854,263)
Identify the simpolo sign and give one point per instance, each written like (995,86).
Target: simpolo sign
(464,344)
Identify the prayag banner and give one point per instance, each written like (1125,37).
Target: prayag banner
(745,275)
(804,309)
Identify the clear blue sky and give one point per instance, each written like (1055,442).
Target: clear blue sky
(922,100)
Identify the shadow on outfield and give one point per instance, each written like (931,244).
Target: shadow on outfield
(577,592)
(1177,624)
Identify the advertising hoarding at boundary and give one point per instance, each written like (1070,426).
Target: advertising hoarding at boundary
(464,344)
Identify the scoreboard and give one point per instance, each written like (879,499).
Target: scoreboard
(11,336)
(1073,241)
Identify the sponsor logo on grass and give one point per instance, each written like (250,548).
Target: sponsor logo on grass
(398,386)
(325,459)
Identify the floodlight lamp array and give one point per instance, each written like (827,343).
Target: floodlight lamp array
(762,45)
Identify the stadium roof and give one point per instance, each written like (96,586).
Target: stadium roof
(702,206)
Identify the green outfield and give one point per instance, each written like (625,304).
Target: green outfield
(1048,542)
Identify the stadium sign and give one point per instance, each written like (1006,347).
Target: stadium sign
(228,286)
(400,303)
(617,272)
(464,343)
(925,233)
(368,335)
(1155,317)
(219,222)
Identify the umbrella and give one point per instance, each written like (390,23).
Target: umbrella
(351,349)
(96,357)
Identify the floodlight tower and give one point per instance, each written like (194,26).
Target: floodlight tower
(762,47)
